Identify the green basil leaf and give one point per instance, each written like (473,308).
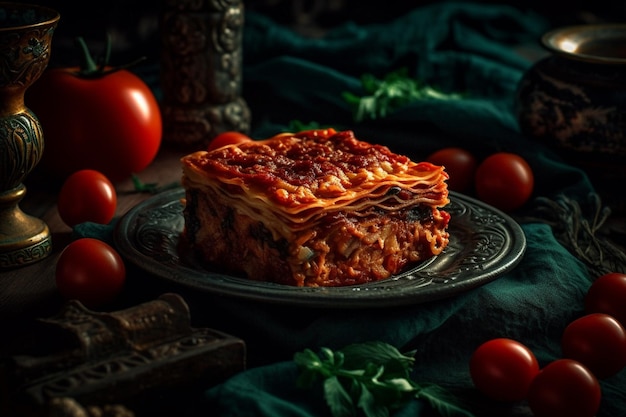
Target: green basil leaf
(395,90)
(373,377)
(356,355)
(443,402)
(370,406)
(338,399)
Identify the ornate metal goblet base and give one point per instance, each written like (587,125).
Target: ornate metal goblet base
(25,239)
(25,40)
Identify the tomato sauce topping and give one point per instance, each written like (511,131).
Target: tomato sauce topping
(324,161)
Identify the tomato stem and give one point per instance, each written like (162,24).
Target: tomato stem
(91,69)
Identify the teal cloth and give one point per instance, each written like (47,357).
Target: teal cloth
(474,49)
(458,47)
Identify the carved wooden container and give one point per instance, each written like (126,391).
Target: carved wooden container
(129,357)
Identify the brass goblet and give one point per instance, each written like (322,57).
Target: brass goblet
(25,41)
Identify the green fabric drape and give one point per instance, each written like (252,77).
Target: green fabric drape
(480,51)
(473,49)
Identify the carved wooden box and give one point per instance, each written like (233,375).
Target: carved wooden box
(136,357)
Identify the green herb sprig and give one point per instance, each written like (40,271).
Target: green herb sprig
(151,187)
(298,125)
(395,90)
(373,377)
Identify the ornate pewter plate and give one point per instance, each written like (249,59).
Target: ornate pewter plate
(484,243)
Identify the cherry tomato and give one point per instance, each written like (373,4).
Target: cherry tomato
(227,138)
(110,123)
(87,196)
(607,294)
(90,271)
(460,165)
(503,369)
(598,341)
(564,388)
(504,180)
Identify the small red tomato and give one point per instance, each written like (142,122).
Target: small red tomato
(607,294)
(504,180)
(90,271)
(227,138)
(460,165)
(598,341)
(564,388)
(87,196)
(503,369)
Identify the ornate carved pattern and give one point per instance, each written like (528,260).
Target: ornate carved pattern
(24,54)
(104,358)
(68,407)
(27,255)
(563,105)
(25,42)
(578,109)
(201,70)
(487,241)
(20,149)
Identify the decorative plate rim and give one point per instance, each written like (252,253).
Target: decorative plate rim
(484,244)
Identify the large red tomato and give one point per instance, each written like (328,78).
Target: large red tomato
(109,122)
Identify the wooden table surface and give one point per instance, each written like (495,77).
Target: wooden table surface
(29,291)
(28,294)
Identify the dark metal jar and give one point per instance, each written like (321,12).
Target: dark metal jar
(201,70)
(574,100)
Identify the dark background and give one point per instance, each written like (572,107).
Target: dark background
(133,24)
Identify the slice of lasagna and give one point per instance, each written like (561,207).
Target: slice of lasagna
(315,208)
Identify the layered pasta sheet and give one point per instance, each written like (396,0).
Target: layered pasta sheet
(319,197)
